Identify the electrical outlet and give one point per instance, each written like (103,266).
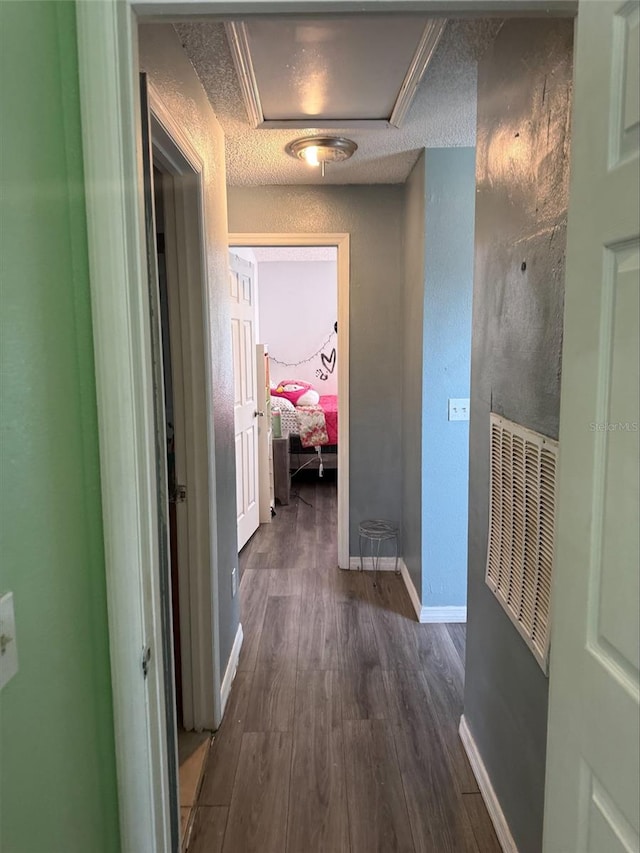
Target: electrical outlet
(8,651)
(459,409)
(234,581)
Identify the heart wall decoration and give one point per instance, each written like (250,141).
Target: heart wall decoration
(329,361)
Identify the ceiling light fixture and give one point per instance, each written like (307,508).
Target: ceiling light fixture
(320,150)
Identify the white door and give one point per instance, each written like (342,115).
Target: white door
(592,791)
(245,402)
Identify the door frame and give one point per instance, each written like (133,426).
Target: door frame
(342,244)
(191,356)
(107,41)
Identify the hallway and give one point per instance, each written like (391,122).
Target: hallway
(340,735)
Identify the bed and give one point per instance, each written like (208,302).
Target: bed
(320,455)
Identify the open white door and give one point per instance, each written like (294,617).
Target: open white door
(592,790)
(245,403)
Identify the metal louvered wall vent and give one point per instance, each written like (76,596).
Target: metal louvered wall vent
(522,529)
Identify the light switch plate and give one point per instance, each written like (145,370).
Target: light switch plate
(459,409)
(8,650)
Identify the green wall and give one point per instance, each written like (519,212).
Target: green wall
(57,766)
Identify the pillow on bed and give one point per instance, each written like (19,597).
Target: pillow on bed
(297,392)
(309,398)
(282,403)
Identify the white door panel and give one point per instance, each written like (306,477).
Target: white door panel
(237,376)
(243,337)
(593,755)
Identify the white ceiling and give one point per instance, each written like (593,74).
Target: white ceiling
(442,115)
(332,68)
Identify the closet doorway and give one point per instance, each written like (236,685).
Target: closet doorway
(319,354)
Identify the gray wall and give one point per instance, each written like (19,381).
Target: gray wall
(373,216)
(413,320)
(162,57)
(450,204)
(524,85)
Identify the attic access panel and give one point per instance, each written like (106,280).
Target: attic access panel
(339,72)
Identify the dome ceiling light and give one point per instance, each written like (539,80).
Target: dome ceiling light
(320,150)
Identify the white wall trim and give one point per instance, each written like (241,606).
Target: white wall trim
(238,39)
(413,592)
(486,789)
(112,153)
(342,243)
(443,614)
(232,668)
(421,59)
(430,614)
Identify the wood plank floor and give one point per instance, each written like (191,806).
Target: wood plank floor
(340,735)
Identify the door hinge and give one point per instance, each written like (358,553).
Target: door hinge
(146,657)
(179,495)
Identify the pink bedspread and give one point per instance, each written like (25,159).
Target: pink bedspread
(329,404)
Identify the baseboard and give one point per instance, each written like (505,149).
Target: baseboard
(424,614)
(232,666)
(430,614)
(413,592)
(443,614)
(486,789)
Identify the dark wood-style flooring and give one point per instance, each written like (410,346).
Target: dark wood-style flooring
(340,735)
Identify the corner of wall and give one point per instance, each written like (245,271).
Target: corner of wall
(412,329)
(446,358)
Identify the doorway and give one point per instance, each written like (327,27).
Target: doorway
(183,242)
(340,335)
(179,347)
(297,363)
(191,746)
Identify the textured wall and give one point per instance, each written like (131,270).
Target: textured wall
(524,87)
(373,217)
(450,202)
(412,366)
(57,764)
(162,57)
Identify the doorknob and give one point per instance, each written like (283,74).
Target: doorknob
(258,414)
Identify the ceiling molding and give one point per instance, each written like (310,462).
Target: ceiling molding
(329,124)
(239,45)
(238,38)
(421,59)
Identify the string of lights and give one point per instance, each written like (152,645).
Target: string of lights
(304,360)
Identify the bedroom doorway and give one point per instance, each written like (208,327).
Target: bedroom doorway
(305,330)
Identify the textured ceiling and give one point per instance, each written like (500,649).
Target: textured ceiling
(443,113)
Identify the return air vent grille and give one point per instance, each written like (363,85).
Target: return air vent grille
(522,529)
